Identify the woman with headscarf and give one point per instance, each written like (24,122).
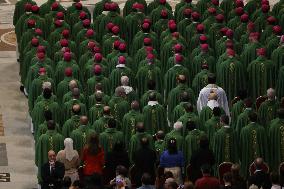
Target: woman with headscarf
(70,158)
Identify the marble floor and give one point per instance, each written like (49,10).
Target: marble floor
(16,140)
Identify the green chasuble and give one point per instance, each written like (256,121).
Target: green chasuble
(133,22)
(67,109)
(146,73)
(178,111)
(225,146)
(40,107)
(117,73)
(129,122)
(253,144)
(242,120)
(227,6)
(174,98)
(145,98)
(70,125)
(191,143)
(203,57)
(261,76)
(231,76)
(51,140)
(170,79)
(176,134)
(276,143)
(236,110)
(92,100)
(91,83)
(99,8)
(155,14)
(119,107)
(267,112)
(80,137)
(69,96)
(101,124)
(211,127)
(60,69)
(189,116)
(271,44)
(127,9)
(20,9)
(95,112)
(36,89)
(202,5)
(280,83)
(249,53)
(109,138)
(200,80)
(63,87)
(207,112)
(277,57)
(42,129)
(135,143)
(155,117)
(138,41)
(182,25)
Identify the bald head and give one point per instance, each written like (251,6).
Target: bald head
(160,135)
(73,84)
(119,91)
(271,94)
(140,127)
(258,163)
(135,105)
(84,120)
(181,79)
(106,110)
(51,156)
(76,109)
(98,96)
(98,87)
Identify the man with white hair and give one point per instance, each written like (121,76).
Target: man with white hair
(268,109)
(129,91)
(37,85)
(176,133)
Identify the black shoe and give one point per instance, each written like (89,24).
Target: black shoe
(22,88)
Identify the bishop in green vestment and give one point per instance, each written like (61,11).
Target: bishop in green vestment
(179,110)
(192,140)
(101,124)
(155,116)
(176,133)
(72,123)
(225,146)
(96,111)
(253,143)
(81,134)
(280,82)
(134,142)
(267,109)
(110,136)
(276,140)
(130,120)
(151,85)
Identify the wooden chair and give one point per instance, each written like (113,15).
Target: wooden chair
(259,101)
(252,168)
(223,168)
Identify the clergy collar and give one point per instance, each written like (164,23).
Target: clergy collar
(248,108)
(153,103)
(226,126)
(177,64)
(120,66)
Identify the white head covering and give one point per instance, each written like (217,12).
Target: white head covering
(69,152)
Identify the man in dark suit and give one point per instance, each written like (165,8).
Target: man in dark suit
(52,172)
(259,177)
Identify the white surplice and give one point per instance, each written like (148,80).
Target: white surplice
(204,94)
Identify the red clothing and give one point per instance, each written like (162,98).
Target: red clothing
(207,182)
(93,163)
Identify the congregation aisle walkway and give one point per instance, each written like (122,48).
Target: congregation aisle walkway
(16,140)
